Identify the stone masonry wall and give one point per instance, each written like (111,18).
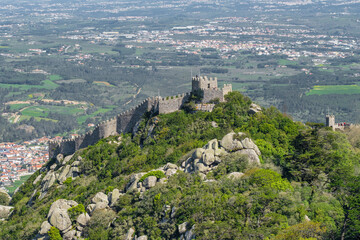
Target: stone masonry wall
(172,104)
(211,94)
(123,123)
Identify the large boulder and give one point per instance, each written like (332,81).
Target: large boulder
(130,234)
(90,208)
(200,167)
(143,237)
(220,152)
(170,166)
(75,163)
(45,227)
(114,196)
(208,157)
(252,156)
(100,197)
(70,235)
(64,173)
(198,153)
(74,172)
(249,144)
(5,211)
(190,234)
(254,108)
(83,219)
(150,181)
(134,179)
(67,158)
(61,204)
(100,206)
(170,172)
(230,143)
(37,179)
(60,219)
(48,181)
(212,144)
(59,159)
(182,227)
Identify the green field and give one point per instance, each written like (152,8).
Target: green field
(334,89)
(41,112)
(46,84)
(17,183)
(37,118)
(18,106)
(286,62)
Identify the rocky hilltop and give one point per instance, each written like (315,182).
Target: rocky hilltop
(238,172)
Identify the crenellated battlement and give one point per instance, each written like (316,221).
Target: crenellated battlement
(127,121)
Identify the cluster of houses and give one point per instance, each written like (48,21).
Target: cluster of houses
(20,159)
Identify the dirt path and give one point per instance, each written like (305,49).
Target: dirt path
(134,96)
(17,118)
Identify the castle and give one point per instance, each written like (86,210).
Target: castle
(128,121)
(330,122)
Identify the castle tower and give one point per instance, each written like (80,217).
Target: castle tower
(330,121)
(204,83)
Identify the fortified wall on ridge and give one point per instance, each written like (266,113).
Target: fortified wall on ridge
(127,121)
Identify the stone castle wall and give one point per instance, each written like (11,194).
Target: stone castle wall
(127,122)
(210,94)
(172,104)
(123,123)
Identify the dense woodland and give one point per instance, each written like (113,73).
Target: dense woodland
(306,172)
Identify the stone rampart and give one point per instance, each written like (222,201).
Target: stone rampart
(172,104)
(123,123)
(127,122)
(211,94)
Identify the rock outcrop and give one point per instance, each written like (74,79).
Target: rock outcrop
(254,108)
(201,161)
(5,211)
(58,172)
(207,158)
(58,217)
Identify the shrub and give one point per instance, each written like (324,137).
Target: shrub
(4,199)
(54,234)
(109,189)
(68,181)
(159,174)
(307,230)
(76,210)
(234,162)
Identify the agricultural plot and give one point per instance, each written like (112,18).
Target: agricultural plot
(334,89)
(14,107)
(46,84)
(17,184)
(42,112)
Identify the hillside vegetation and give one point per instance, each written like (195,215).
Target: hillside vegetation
(305,187)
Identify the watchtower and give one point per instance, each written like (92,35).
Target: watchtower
(203,83)
(330,121)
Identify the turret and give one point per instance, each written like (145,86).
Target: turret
(330,121)
(203,83)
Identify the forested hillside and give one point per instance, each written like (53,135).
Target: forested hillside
(226,174)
